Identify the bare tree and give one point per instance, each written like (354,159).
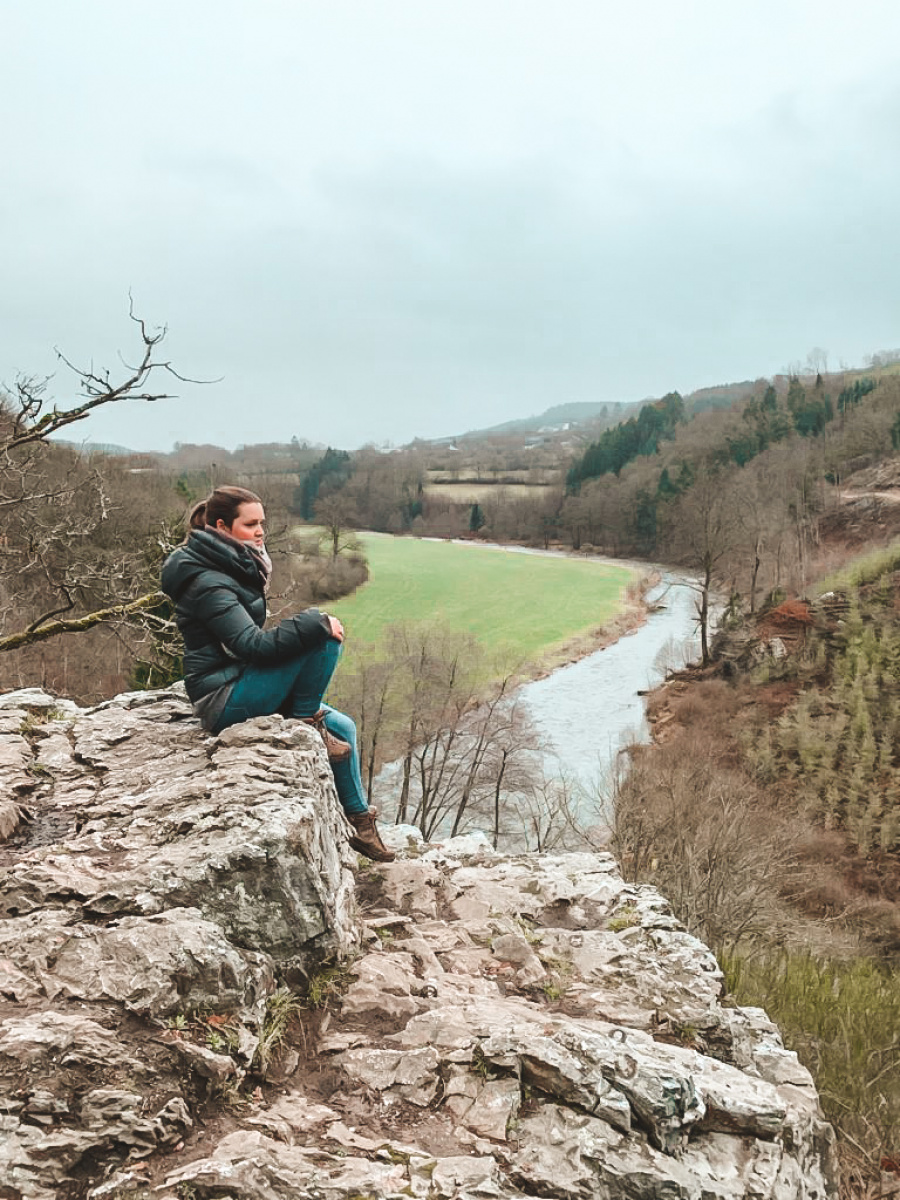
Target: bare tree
(59,570)
(337,513)
(540,811)
(372,696)
(701,530)
(406,691)
(702,833)
(465,750)
(472,771)
(762,524)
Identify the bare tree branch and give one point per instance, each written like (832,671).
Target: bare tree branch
(97,388)
(70,547)
(31,635)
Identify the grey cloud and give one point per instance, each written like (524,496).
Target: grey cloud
(354,278)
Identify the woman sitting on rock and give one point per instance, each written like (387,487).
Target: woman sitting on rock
(235,669)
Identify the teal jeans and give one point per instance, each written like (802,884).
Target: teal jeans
(295,689)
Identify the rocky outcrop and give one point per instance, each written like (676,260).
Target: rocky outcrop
(474,1024)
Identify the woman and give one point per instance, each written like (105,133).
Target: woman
(235,669)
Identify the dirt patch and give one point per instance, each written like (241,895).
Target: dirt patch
(558,916)
(789,615)
(403,1122)
(314,1075)
(862,521)
(775,697)
(218,1110)
(789,622)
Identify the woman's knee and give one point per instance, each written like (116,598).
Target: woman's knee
(311,676)
(319,665)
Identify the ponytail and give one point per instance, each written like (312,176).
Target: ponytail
(197,516)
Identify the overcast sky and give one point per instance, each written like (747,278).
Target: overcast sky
(374,220)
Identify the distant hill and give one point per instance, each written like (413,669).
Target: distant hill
(723,395)
(557,418)
(94,447)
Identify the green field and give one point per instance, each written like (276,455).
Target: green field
(524,604)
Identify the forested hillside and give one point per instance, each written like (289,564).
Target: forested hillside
(768,811)
(736,494)
(738,491)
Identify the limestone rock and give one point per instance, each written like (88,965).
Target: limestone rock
(156,966)
(510,1025)
(412,1074)
(163,874)
(217,1067)
(45,1039)
(250,1166)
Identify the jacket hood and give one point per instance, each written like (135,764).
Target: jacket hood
(204,551)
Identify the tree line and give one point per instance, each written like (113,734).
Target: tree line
(736,495)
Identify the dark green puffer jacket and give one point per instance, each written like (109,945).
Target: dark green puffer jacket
(220,607)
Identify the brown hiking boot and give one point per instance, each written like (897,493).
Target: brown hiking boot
(366,839)
(336,747)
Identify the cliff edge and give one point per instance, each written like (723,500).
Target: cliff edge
(475,1024)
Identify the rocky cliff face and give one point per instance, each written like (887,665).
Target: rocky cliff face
(475,1024)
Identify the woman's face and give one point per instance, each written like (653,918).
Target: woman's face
(249,525)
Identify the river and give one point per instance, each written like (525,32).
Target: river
(587,711)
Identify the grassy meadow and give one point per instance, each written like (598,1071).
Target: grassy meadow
(521,605)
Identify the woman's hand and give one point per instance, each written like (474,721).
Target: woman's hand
(337,629)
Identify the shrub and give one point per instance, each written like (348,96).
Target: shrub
(702,833)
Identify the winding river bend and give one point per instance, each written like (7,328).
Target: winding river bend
(587,711)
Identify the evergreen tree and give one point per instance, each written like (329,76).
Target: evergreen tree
(333,467)
(628,440)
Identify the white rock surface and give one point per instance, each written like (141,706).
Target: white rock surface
(508,1025)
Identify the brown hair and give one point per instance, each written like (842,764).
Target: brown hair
(221,505)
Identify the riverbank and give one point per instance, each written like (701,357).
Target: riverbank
(757,812)
(630,619)
(589,709)
(528,610)
(582,694)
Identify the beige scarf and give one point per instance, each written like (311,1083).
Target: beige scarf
(263,562)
